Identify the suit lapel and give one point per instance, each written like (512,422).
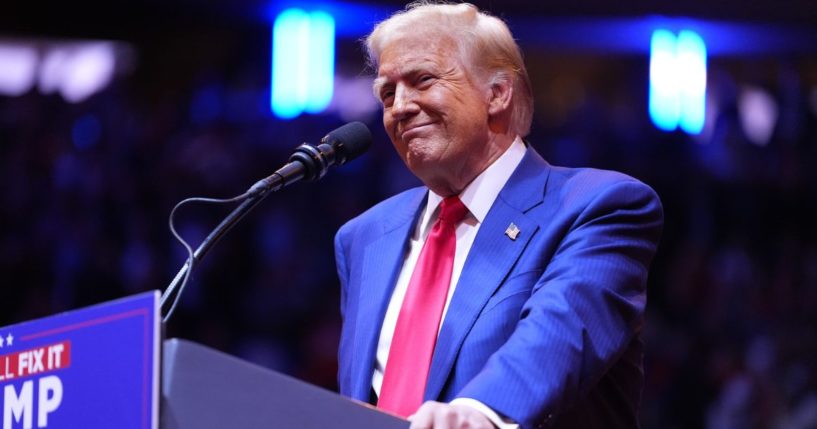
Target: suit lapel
(491,258)
(382,261)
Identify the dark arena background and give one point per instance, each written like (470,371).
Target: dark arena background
(111,112)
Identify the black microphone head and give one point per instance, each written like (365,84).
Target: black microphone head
(349,141)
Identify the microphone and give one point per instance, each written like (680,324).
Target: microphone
(312,162)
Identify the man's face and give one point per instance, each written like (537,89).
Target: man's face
(434,110)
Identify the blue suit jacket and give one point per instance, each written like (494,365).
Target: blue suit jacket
(544,329)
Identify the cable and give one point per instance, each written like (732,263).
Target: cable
(188,266)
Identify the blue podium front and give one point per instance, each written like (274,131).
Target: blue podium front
(96,367)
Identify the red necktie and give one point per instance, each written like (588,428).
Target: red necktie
(415,335)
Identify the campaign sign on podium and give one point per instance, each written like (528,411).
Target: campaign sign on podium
(97,367)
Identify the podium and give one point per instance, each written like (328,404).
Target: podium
(204,388)
(104,366)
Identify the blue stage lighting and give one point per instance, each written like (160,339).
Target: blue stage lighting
(677,81)
(664,103)
(692,69)
(303,62)
(321,52)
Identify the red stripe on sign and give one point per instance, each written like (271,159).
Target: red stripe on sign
(35,361)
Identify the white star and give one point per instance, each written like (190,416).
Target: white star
(9,339)
(1,342)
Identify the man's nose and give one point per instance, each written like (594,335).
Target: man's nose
(405,103)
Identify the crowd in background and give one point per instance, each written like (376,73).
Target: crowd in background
(731,330)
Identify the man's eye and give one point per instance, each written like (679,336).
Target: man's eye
(387,98)
(426,78)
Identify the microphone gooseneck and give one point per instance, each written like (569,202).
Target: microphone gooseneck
(306,162)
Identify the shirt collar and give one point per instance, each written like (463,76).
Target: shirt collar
(481,193)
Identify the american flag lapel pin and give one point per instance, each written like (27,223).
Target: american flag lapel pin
(512,232)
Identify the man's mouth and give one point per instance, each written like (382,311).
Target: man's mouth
(413,130)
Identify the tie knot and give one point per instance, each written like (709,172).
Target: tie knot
(452,210)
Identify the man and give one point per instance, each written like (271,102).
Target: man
(506,292)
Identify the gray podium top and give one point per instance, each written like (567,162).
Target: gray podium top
(203,388)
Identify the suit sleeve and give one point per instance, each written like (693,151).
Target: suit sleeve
(583,312)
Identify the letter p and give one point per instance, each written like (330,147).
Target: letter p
(49,398)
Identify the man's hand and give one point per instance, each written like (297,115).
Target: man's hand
(437,415)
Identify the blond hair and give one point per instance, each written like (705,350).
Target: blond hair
(484,40)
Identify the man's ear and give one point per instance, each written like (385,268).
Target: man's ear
(501,95)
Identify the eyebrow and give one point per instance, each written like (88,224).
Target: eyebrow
(380,81)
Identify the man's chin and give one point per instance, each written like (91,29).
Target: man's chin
(421,164)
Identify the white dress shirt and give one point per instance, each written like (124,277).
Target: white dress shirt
(478,197)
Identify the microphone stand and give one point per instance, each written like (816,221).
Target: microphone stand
(292,172)
(236,215)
